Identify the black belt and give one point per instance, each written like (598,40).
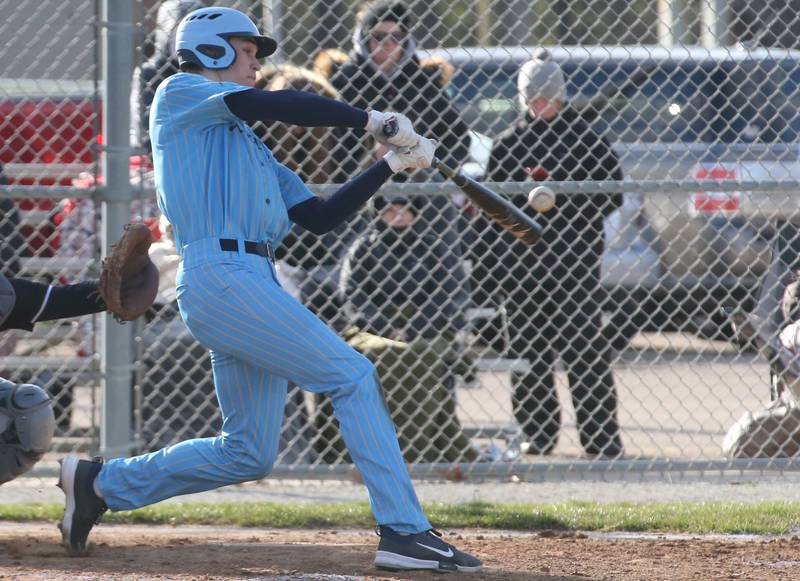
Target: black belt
(260,248)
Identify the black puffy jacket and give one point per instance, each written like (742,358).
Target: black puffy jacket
(415,91)
(402,279)
(563,149)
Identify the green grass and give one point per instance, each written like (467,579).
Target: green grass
(683,517)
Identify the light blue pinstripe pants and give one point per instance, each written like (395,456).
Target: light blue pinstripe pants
(261,338)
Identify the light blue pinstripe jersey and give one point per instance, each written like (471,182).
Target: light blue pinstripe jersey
(214,177)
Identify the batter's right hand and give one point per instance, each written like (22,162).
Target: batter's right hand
(418,157)
(402,132)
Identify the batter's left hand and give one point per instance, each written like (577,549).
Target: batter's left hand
(402,134)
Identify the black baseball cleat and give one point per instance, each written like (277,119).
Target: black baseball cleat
(83,507)
(424,550)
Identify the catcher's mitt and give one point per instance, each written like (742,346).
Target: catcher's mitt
(129,280)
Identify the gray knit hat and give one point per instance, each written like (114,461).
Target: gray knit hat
(541,77)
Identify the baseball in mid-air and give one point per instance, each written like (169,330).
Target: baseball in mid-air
(541,199)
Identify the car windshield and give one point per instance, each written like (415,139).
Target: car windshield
(639,101)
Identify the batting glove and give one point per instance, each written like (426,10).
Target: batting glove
(398,126)
(418,157)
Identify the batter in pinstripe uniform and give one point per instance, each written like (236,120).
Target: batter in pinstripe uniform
(230,202)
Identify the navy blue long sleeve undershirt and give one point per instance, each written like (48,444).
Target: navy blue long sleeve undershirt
(295,108)
(320,215)
(316,215)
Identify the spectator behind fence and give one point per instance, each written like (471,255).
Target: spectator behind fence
(161,65)
(551,289)
(146,78)
(773,327)
(383,72)
(402,288)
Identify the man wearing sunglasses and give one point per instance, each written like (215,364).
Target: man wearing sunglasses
(384,73)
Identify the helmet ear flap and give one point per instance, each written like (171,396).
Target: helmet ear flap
(187,58)
(211,51)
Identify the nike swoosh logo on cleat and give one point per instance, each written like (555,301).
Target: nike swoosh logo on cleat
(447,553)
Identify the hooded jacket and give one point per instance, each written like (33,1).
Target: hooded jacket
(163,64)
(402,279)
(415,90)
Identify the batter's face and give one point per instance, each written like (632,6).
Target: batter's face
(244,68)
(386,44)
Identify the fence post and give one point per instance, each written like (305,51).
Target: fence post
(116,347)
(714,16)
(674,22)
(272,25)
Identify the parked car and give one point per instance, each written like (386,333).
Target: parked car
(671,114)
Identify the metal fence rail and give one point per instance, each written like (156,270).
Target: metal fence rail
(674,285)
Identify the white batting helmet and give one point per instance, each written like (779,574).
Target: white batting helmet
(203,37)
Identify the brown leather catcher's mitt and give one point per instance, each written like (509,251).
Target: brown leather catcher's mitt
(129,280)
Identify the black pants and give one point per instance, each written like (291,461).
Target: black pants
(562,318)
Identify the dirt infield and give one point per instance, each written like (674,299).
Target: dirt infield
(32,551)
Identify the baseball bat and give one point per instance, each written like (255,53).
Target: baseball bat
(493,204)
(496,207)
